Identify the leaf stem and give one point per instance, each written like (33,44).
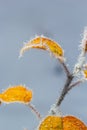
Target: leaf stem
(34,110)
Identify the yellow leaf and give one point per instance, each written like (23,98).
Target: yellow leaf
(16,94)
(73,123)
(45,44)
(85,73)
(62,123)
(51,123)
(86,46)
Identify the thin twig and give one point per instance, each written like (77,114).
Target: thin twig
(65,69)
(34,110)
(64,91)
(74,84)
(67,84)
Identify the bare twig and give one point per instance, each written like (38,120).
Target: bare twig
(34,110)
(65,69)
(74,84)
(54,110)
(67,84)
(64,91)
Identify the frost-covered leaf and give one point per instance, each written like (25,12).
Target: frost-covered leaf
(62,123)
(51,123)
(85,73)
(44,43)
(16,94)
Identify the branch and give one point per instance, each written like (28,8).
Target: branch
(65,69)
(65,89)
(67,84)
(34,110)
(77,69)
(74,84)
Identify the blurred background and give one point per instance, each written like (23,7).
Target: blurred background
(21,20)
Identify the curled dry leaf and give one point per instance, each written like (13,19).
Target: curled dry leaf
(62,123)
(44,43)
(16,94)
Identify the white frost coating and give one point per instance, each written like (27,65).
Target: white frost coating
(54,110)
(27,47)
(84,40)
(82,57)
(78,67)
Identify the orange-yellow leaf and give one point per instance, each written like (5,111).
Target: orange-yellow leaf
(51,123)
(85,73)
(86,46)
(62,123)
(73,123)
(45,44)
(16,94)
